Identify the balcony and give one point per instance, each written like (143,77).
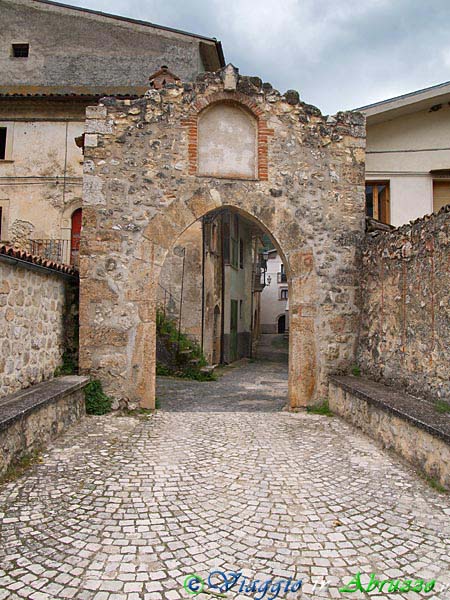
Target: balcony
(59,251)
(281,277)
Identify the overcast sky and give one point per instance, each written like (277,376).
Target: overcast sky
(338,54)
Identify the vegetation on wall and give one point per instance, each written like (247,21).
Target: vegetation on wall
(97,402)
(178,355)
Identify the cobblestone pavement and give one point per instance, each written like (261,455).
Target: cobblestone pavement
(125,507)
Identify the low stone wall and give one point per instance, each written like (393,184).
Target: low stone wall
(405,282)
(418,434)
(29,419)
(36,319)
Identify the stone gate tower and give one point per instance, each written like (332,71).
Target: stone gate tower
(155,165)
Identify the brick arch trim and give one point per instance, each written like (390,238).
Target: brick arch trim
(237,98)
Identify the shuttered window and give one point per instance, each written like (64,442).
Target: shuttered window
(441,194)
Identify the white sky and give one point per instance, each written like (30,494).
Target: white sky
(338,54)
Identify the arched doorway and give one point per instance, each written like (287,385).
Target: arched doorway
(281,323)
(75,236)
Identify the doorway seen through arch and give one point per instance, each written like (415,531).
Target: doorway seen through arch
(282,324)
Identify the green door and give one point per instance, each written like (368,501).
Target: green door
(234,331)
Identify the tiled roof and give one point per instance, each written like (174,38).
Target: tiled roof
(24,256)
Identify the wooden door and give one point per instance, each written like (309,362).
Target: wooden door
(75,237)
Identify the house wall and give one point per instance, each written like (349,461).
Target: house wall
(405,293)
(238,286)
(34,320)
(271,305)
(41,180)
(171,280)
(76,48)
(76,53)
(404,151)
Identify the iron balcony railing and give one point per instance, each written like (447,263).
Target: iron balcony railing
(61,251)
(281,277)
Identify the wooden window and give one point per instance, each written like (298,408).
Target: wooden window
(20,50)
(283,293)
(378,201)
(3,132)
(441,194)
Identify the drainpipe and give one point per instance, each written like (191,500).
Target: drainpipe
(203,282)
(181,302)
(252,285)
(222,316)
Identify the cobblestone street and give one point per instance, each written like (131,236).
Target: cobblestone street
(125,507)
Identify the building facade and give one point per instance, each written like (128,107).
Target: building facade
(408,155)
(274,297)
(54,61)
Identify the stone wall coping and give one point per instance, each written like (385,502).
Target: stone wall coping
(417,411)
(20,404)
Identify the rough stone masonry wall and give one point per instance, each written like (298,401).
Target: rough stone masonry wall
(405,338)
(142,189)
(32,325)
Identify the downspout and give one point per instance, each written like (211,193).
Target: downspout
(203,282)
(252,285)
(222,315)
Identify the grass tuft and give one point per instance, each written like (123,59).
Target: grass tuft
(322,408)
(21,466)
(97,402)
(442,406)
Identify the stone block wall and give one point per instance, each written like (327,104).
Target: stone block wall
(405,336)
(34,324)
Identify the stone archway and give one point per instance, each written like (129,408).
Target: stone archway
(142,189)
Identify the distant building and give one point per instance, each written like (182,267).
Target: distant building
(408,155)
(274,297)
(211,280)
(55,60)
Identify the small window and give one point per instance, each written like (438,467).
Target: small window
(2,143)
(241,303)
(20,50)
(378,201)
(282,277)
(241,253)
(283,294)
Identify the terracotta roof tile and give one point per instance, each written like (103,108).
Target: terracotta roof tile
(25,256)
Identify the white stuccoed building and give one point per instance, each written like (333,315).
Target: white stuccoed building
(274,297)
(408,155)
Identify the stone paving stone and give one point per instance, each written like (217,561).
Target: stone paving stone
(221,477)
